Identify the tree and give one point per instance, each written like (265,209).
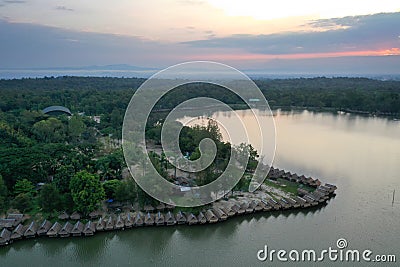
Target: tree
(76,127)
(3,195)
(50,198)
(50,130)
(24,187)
(86,191)
(62,178)
(23,202)
(110,187)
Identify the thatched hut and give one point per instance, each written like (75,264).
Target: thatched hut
(44,228)
(138,219)
(235,208)
(191,219)
(63,216)
(7,223)
(5,236)
(220,214)
(75,216)
(292,202)
(284,204)
(310,200)
(66,230)
(201,218)
(180,218)
(89,229)
(243,206)
(273,203)
(159,220)
(78,229)
(129,220)
(17,217)
(119,223)
(54,230)
(258,205)
(250,207)
(211,218)
(170,218)
(149,219)
(169,207)
(109,224)
(148,208)
(100,225)
(160,206)
(267,207)
(94,214)
(31,230)
(18,232)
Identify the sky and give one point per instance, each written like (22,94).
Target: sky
(275,36)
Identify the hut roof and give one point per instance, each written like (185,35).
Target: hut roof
(63,216)
(159,217)
(44,227)
(94,214)
(160,206)
(16,216)
(219,213)
(18,231)
(169,217)
(119,222)
(129,219)
(138,219)
(5,236)
(78,228)
(66,229)
(75,216)
(148,208)
(201,218)
(100,224)
(180,217)
(191,218)
(55,229)
(89,228)
(170,207)
(109,223)
(31,230)
(7,223)
(211,216)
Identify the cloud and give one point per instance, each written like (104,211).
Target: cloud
(358,33)
(64,8)
(5,2)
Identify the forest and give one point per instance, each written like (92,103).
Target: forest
(54,163)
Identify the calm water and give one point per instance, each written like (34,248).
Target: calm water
(361,155)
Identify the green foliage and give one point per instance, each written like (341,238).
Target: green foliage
(86,191)
(50,130)
(23,202)
(62,178)
(76,127)
(24,187)
(126,191)
(110,187)
(50,198)
(3,195)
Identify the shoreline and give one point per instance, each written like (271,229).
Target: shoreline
(241,203)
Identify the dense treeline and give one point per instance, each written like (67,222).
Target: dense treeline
(110,96)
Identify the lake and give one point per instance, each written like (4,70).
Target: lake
(361,155)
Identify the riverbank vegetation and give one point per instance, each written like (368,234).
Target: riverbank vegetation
(53,163)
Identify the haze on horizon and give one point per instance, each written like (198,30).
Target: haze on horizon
(353,36)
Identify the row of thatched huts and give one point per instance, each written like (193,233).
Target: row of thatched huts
(275,173)
(13,229)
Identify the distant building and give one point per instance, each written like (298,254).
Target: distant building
(57,110)
(97,119)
